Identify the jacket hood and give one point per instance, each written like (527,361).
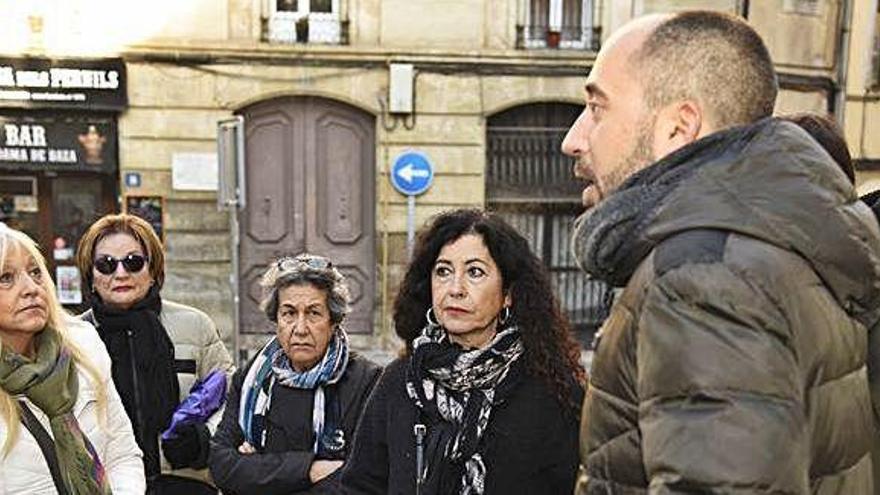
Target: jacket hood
(770,181)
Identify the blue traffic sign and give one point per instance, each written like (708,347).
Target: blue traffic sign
(412,173)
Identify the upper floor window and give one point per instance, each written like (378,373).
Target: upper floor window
(565,24)
(305,21)
(806,7)
(875,54)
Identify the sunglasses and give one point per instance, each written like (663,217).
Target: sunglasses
(132,263)
(313,262)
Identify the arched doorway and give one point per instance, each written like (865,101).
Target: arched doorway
(530,183)
(310,180)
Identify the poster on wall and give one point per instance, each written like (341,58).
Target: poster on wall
(64,142)
(69,285)
(150,208)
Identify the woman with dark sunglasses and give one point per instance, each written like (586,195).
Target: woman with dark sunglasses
(159,348)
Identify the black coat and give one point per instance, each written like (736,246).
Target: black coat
(530,445)
(284,466)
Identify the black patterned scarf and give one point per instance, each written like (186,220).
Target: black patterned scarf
(456,389)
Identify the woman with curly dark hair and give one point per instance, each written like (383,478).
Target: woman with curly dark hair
(487,397)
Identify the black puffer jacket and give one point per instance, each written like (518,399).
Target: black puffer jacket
(284,466)
(735,359)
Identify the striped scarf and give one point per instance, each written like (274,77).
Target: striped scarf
(51,383)
(271,365)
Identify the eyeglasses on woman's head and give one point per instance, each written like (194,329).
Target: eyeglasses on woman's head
(304,261)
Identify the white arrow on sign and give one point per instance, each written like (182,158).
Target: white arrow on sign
(408,172)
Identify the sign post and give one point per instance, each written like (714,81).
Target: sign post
(231,196)
(411,174)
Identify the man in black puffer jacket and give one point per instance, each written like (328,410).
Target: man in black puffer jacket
(734,360)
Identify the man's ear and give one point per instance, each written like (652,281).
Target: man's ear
(678,125)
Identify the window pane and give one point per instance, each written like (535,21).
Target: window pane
(540,13)
(875,80)
(286,5)
(321,6)
(572,14)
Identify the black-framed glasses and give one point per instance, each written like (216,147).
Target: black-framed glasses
(132,263)
(313,262)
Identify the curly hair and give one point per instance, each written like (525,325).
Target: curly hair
(551,353)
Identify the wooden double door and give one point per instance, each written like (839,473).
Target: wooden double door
(310,187)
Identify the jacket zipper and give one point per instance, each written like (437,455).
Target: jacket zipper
(137,393)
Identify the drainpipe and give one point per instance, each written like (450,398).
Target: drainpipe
(845,33)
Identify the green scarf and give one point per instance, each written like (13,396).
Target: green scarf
(50,382)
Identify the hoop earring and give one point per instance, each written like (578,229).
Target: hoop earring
(505,315)
(429,315)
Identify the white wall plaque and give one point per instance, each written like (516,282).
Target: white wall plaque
(194,171)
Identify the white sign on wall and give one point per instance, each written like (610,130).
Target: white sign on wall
(194,171)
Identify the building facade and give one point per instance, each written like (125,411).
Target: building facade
(332,92)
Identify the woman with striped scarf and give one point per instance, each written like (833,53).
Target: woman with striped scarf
(291,413)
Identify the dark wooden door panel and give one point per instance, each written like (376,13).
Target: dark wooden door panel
(311,187)
(344,208)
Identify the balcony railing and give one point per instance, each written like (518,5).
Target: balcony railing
(564,38)
(289,28)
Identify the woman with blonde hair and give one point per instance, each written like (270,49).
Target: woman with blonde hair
(55,380)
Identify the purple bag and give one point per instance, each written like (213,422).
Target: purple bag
(204,399)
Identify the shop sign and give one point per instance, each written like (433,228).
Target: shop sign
(58,143)
(93,84)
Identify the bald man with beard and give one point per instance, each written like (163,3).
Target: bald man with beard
(734,359)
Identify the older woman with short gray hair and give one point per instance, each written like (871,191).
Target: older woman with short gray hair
(302,270)
(291,412)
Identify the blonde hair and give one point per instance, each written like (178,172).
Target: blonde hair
(11,240)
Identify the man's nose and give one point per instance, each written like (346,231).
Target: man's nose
(575,142)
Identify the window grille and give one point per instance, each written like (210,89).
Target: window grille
(805,7)
(875,54)
(305,21)
(559,24)
(529,182)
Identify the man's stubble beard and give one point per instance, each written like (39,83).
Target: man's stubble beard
(640,156)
